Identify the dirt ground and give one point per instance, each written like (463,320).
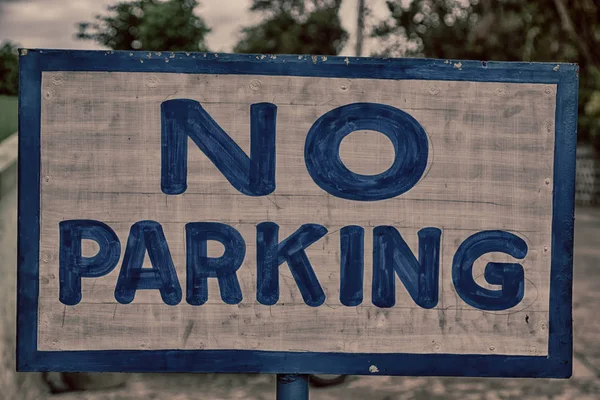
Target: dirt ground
(585,383)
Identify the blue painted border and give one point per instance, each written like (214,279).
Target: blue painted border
(558,363)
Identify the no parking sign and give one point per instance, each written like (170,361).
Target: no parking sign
(295,214)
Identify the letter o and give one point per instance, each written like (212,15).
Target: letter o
(322,151)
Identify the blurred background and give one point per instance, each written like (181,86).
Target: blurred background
(499,30)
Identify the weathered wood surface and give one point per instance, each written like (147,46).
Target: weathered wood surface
(490,167)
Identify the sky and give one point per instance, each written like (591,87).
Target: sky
(52,23)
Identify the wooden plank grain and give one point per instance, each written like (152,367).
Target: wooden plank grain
(490,167)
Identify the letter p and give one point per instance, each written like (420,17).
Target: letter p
(73,266)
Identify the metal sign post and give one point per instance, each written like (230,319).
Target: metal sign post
(198,212)
(292,387)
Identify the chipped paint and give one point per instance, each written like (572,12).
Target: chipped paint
(262,56)
(458,65)
(158,53)
(324,58)
(556,68)
(373,369)
(347,60)
(273,56)
(172,55)
(24,52)
(299,57)
(130,54)
(447,62)
(314,59)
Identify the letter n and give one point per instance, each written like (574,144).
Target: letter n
(252,176)
(420,277)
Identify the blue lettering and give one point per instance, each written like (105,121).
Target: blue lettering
(200,267)
(270,254)
(322,151)
(73,266)
(421,278)
(510,276)
(352,267)
(254,176)
(147,236)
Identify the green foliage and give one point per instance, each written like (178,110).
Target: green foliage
(8,116)
(148,25)
(9,69)
(507,30)
(589,106)
(504,30)
(295,27)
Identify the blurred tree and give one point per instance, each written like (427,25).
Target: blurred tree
(503,30)
(360,26)
(9,69)
(148,25)
(295,27)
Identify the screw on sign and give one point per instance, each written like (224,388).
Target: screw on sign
(319,269)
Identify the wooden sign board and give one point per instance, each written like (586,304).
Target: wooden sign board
(282,214)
